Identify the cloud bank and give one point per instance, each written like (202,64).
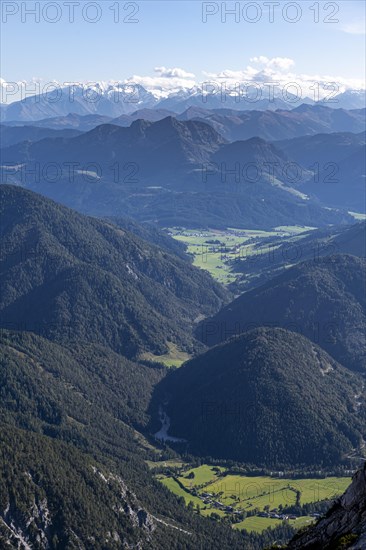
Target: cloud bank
(280,72)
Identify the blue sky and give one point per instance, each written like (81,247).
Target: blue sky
(172,34)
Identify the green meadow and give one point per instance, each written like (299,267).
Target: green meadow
(173,358)
(258,524)
(204,474)
(215,250)
(251,494)
(173,486)
(258,492)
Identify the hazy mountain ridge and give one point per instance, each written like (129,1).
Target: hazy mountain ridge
(123,98)
(170,170)
(343,183)
(232,124)
(12,135)
(322,148)
(276,125)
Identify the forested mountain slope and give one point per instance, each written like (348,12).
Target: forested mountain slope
(323,299)
(72,465)
(67,276)
(269,397)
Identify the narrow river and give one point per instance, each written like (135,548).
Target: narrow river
(163,434)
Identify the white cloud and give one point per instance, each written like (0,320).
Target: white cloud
(280,71)
(166,81)
(354,28)
(277,63)
(173,73)
(262,70)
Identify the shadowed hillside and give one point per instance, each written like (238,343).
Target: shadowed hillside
(269,397)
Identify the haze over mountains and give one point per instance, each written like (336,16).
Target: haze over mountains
(185,172)
(13,135)
(119,99)
(232,124)
(322,148)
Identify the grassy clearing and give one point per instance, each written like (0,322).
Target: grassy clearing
(313,490)
(294,229)
(174,357)
(172,463)
(173,486)
(258,524)
(214,250)
(202,475)
(209,511)
(144,443)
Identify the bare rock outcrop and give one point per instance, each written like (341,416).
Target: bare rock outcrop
(344,526)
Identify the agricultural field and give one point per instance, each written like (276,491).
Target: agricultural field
(259,492)
(173,486)
(203,475)
(256,502)
(215,250)
(259,524)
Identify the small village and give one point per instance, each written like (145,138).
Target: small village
(209,500)
(253,502)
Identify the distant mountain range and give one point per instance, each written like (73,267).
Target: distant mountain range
(161,150)
(230,123)
(83,100)
(342,182)
(278,124)
(177,173)
(13,135)
(71,121)
(322,148)
(124,99)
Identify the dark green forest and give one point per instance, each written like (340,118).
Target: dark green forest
(81,300)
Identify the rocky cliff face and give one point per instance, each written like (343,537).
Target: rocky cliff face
(26,526)
(344,526)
